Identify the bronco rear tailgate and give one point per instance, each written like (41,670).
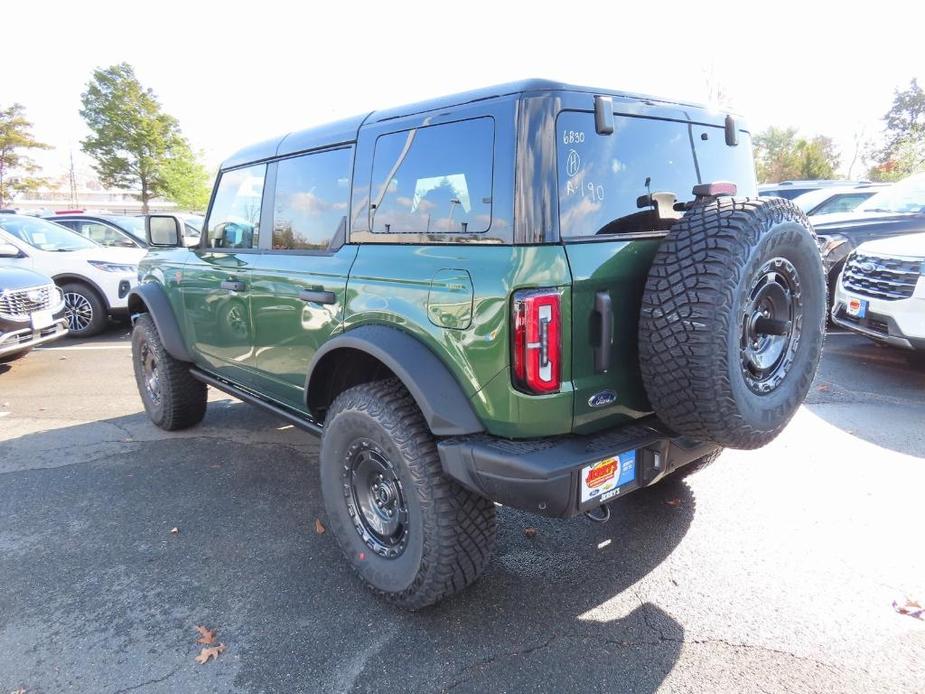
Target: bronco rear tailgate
(617,195)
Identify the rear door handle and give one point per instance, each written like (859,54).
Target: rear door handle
(603,307)
(317,297)
(233,285)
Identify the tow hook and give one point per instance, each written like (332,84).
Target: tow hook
(602,518)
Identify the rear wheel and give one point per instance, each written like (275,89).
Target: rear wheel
(172,398)
(84,309)
(412,534)
(732,321)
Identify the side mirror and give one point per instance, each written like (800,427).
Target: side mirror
(8,250)
(163,230)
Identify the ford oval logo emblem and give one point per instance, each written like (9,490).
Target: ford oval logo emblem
(867,268)
(602,399)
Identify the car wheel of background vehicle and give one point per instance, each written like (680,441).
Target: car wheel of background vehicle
(13,356)
(84,309)
(411,533)
(732,321)
(172,398)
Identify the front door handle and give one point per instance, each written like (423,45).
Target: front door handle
(233,285)
(317,297)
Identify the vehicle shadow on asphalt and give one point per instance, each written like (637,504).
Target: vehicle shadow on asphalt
(111,595)
(856,371)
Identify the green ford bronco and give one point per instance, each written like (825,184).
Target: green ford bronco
(535,295)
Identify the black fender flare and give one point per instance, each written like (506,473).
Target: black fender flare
(445,407)
(155,300)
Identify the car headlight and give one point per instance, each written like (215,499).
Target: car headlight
(113,267)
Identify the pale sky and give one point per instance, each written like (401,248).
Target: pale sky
(235,73)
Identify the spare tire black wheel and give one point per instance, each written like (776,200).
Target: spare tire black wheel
(733,320)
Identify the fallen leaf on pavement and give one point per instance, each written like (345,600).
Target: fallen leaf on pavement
(529,533)
(206,635)
(909,607)
(319,526)
(206,653)
(674,503)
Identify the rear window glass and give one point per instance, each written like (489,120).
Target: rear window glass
(435,179)
(606,182)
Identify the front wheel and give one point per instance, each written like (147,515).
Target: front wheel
(84,309)
(172,398)
(412,534)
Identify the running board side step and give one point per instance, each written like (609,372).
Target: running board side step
(292,416)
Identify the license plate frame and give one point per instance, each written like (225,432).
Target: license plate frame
(604,479)
(856,308)
(42,319)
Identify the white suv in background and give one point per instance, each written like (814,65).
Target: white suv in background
(881,292)
(95,280)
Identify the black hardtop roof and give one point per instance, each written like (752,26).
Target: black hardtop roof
(338,132)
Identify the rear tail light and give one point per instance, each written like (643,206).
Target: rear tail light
(536,349)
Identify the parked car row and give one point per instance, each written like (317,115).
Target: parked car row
(872,241)
(123,230)
(95,280)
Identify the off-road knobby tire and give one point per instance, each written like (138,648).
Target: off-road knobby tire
(451,530)
(97,305)
(183,399)
(689,328)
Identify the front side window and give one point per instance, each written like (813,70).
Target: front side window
(312,196)
(626,182)
(234,220)
(435,179)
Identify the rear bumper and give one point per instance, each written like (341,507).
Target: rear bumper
(544,475)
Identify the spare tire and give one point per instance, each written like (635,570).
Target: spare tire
(733,320)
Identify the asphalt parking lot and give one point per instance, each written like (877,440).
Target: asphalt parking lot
(773,570)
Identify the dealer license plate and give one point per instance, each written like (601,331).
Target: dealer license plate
(602,480)
(857,308)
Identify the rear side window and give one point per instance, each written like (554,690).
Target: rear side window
(312,195)
(234,219)
(605,181)
(434,180)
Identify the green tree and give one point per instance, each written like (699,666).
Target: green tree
(16,168)
(133,142)
(904,151)
(186,180)
(780,155)
(817,158)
